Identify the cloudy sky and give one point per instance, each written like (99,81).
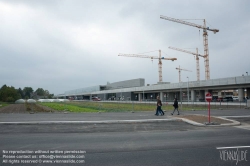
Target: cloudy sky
(62,45)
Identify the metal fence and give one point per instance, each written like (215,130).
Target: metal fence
(150,105)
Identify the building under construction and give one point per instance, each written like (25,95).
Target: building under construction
(136,90)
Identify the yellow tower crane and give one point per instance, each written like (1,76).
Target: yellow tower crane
(197,59)
(205,39)
(178,68)
(152,57)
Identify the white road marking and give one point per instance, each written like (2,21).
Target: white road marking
(246,127)
(233,147)
(243,116)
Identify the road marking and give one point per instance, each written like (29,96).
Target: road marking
(92,122)
(233,147)
(246,127)
(243,116)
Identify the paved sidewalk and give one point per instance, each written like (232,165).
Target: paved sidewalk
(125,117)
(80,116)
(122,117)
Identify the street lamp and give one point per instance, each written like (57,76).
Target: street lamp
(247,73)
(188,88)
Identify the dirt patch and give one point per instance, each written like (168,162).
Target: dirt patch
(33,108)
(14,108)
(25,108)
(203,119)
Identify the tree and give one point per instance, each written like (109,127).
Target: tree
(9,94)
(40,92)
(20,91)
(3,94)
(27,91)
(51,96)
(46,93)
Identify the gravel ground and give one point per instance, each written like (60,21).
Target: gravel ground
(203,119)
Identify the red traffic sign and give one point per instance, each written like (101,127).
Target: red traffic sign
(208,97)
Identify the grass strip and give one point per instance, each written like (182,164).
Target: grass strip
(86,106)
(67,107)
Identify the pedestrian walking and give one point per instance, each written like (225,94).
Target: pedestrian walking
(158,107)
(175,106)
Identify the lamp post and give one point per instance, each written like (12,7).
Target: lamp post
(247,73)
(188,88)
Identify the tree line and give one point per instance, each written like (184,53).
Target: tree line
(10,94)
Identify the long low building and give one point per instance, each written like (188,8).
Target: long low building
(136,90)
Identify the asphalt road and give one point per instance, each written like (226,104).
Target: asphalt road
(162,143)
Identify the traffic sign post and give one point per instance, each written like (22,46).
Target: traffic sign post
(209,99)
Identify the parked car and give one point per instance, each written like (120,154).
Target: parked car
(219,99)
(202,100)
(214,98)
(235,98)
(96,99)
(228,99)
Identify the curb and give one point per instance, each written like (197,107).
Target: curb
(243,116)
(234,122)
(90,122)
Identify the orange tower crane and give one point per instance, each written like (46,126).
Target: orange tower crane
(205,39)
(152,57)
(180,72)
(197,59)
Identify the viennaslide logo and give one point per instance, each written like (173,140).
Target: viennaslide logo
(234,153)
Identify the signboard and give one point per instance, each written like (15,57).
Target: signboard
(208,97)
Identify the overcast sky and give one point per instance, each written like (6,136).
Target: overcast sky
(61,45)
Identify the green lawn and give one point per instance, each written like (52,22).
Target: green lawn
(112,107)
(68,107)
(2,104)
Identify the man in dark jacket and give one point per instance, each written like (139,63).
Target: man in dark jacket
(175,106)
(158,108)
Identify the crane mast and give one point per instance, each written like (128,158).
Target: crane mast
(206,52)
(160,67)
(205,39)
(197,59)
(178,68)
(197,66)
(152,57)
